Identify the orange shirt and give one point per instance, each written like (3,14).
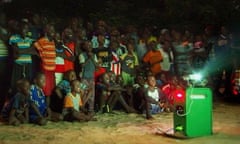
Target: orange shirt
(47,53)
(71,101)
(153,58)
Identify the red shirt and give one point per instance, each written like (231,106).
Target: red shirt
(98,72)
(69,51)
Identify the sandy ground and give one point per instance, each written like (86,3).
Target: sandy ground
(122,128)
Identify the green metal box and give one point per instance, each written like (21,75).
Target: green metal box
(196,118)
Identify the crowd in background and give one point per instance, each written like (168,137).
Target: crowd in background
(69,69)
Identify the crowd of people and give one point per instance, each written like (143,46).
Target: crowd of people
(71,69)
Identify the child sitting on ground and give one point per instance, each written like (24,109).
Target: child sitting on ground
(61,90)
(108,93)
(64,87)
(16,111)
(138,92)
(154,98)
(73,103)
(40,112)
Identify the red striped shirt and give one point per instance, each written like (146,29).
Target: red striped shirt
(47,52)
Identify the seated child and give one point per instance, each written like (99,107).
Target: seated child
(40,112)
(108,93)
(61,90)
(16,111)
(64,87)
(126,93)
(138,92)
(88,97)
(73,103)
(154,98)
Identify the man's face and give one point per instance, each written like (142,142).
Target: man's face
(119,80)
(25,30)
(140,80)
(68,34)
(101,38)
(112,77)
(152,45)
(50,30)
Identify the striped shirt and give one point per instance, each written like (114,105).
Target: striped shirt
(69,51)
(115,64)
(22,43)
(47,52)
(3,50)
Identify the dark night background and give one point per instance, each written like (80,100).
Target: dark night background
(139,12)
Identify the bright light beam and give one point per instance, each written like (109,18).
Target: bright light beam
(196,77)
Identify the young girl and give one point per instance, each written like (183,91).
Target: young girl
(73,103)
(16,111)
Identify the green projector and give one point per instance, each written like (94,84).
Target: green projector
(193,112)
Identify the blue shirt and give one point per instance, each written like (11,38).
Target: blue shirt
(39,99)
(65,87)
(89,67)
